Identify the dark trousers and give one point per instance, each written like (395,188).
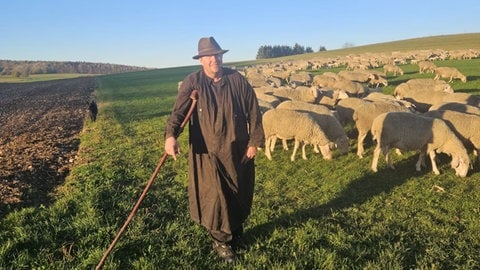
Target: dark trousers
(226,237)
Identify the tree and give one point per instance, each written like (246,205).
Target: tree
(322,49)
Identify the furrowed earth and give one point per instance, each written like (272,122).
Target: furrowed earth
(40,124)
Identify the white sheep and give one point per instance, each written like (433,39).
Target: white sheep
(426,67)
(423,100)
(381,97)
(454,106)
(325,118)
(301,93)
(409,131)
(346,107)
(423,84)
(465,126)
(289,124)
(389,68)
(330,98)
(300,78)
(450,73)
(364,116)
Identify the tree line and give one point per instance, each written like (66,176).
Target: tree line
(26,68)
(269,51)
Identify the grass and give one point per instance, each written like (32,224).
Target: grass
(307,214)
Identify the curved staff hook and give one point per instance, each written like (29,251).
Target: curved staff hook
(194,97)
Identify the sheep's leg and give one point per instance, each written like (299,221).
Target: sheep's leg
(436,77)
(304,156)
(267,148)
(315,148)
(273,141)
(420,161)
(295,148)
(361,138)
(284,144)
(386,152)
(398,151)
(434,164)
(376,154)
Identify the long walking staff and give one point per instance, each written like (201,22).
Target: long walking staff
(193,96)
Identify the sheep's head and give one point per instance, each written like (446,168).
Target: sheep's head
(461,165)
(342,144)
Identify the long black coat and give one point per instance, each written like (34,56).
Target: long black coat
(226,121)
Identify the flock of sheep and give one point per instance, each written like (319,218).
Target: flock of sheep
(424,115)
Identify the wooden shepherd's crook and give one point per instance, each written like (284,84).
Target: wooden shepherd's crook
(193,96)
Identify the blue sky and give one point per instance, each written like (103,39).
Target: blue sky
(156,33)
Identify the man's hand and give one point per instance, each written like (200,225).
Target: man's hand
(249,154)
(171,147)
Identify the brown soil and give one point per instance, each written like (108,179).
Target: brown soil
(39,127)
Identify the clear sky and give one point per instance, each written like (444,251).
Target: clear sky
(159,33)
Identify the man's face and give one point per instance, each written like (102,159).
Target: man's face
(212,64)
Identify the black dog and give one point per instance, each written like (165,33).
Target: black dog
(93,110)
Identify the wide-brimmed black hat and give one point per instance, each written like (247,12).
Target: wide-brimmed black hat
(208,46)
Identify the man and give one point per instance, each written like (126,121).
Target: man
(224,132)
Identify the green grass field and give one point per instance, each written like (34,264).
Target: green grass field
(307,214)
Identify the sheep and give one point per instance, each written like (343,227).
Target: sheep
(450,73)
(377,80)
(381,97)
(465,126)
(430,84)
(301,93)
(355,76)
(355,89)
(423,100)
(324,81)
(300,126)
(426,67)
(388,68)
(346,107)
(301,78)
(364,116)
(330,98)
(325,118)
(340,83)
(454,106)
(409,131)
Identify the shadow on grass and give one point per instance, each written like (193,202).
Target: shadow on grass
(357,192)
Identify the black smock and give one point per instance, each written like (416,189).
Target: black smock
(227,120)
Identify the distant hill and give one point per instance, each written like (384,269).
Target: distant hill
(26,68)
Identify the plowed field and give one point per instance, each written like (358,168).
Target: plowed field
(39,127)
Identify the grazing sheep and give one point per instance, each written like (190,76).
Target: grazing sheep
(465,126)
(388,68)
(364,116)
(354,89)
(330,98)
(325,118)
(289,124)
(301,93)
(324,81)
(423,100)
(430,84)
(426,67)
(377,80)
(409,131)
(93,110)
(450,73)
(355,76)
(454,106)
(346,107)
(339,83)
(381,97)
(301,78)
